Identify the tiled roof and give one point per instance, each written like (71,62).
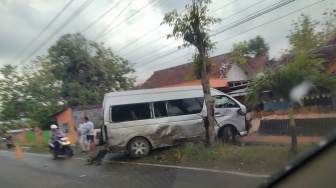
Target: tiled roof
(177,75)
(214,82)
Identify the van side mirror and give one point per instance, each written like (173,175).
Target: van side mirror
(241,112)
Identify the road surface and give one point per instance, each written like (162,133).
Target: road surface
(40,171)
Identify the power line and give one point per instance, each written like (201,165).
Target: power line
(138,39)
(103,15)
(271,21)
(253,28)
(224,6)
(168,52)
(185,9)
(131,21)
(252,16)
(66,22)
(123,10)
(243,9)
(144,55)
(144,36)
(44,29)
(164,63)
(165,35)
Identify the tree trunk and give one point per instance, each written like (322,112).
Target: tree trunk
(292,130)
(207,97)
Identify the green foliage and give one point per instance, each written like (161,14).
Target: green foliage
(76,71)
(195,71)
(283,79)
(256,47)
(238,53)
(304,37)
(12,93)
(87,70)
(329,22)
(192,27)
(261,157)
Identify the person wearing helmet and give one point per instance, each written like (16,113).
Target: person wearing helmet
(54,133)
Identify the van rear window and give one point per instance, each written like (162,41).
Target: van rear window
(130,112)
(185,106)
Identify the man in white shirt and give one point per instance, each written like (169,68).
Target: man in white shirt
(89,133)
(85,145)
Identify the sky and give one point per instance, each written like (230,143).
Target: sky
(133,30)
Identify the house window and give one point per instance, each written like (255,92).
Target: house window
(185,106)
(130,112)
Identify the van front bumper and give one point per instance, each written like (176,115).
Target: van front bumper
(243,133)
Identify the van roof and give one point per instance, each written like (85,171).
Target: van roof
(156,90)
(151,95)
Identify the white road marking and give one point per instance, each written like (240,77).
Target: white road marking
(195,169)
(169,166)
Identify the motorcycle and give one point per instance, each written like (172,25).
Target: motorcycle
(8,142)
(63,149)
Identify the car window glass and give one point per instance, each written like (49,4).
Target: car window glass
(160,109)
(130,112)
(224,102)
(185,106)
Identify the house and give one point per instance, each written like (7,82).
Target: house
(68,119)
(226,75)
(324,99)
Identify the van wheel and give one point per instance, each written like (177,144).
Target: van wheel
(138,147)
(228,136)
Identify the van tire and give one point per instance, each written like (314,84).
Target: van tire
(138,147)
(228,136)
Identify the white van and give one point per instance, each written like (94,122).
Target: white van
(140,120)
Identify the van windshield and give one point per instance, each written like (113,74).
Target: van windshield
(222,101)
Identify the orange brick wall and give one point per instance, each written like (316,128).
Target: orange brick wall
(66,117)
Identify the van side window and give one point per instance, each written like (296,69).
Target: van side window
(185,106)
(224,102)
(160,109)
(130,112)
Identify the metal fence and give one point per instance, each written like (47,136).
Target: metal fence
(304,127)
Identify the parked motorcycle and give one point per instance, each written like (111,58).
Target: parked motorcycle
(8,142)
(63,149)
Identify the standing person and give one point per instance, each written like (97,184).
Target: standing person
(89,133)
(83,140)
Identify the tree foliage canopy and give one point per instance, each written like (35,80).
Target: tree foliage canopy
(76,71)
(283,79)
(87,70)
(255,47)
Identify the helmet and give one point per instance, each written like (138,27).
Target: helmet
(53,127)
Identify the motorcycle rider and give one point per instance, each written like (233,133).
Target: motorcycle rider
(54,133)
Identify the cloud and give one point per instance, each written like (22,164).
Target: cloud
(23,19)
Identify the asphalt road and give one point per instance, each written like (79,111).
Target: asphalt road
(41,171)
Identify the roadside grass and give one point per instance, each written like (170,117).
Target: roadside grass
(263,158)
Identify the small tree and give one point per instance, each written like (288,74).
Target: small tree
(193,28)
(302,69)
(304,37)
(255,47)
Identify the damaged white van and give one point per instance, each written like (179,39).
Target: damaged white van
(140,120)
